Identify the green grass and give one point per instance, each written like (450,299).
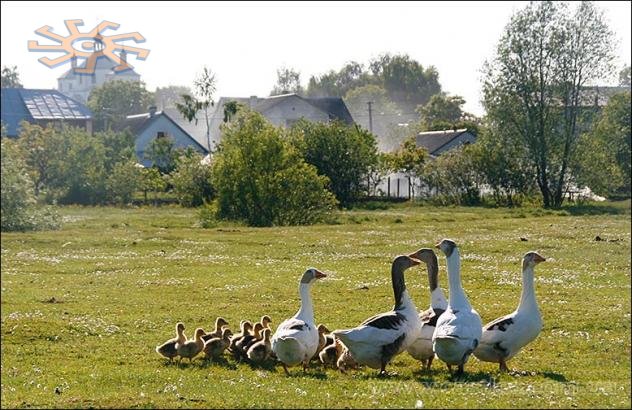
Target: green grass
(121,278)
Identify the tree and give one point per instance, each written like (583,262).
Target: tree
(288,81)
(409,159)
(342,153)
(19,210)
(603,155)
(162,154)
(624,77)
(202,99)
(532,86)
(11,77)
(441,109)
(338,83)
(262,180)
(123,182)
(167,97)
(191,180)
(453,177)
(113,101)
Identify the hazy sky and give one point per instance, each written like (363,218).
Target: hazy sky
(244,43)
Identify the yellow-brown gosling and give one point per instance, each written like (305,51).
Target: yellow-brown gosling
(214,347)
(249,339)
(260,351)
(265,321)
(245,327)
(168,349)
(192,347)
(220,322)
(345,359)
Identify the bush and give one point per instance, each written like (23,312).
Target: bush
(19,211)
(345,154)
(261,179)
(191,180)
(207,216)
(124,180)
(453,178)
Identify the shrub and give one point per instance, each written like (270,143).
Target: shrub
(261,179)
(124,180)
(19,211)
(207,216)
(191,180)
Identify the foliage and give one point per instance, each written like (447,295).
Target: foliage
(39,145)
(151,180)
(123,182)
(162,154)
(406,81)
(603,156)
(445,112)
(532,87)
(207,215)
(344,154)
(10,77)
(502,166)
(204,86)
(262,180)
(409,159)
(191,180)
(452,177)
(19,210)
(624,77)
(167,97)
(113,101)
(288,81)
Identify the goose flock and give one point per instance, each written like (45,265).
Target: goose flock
(450,329)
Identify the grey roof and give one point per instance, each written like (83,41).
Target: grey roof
(434,140)
(335,107)
(197,131)
(20,104)
(137,123)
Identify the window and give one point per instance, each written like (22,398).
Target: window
(161,134)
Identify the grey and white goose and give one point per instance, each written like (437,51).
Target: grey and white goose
(459,329)
(504,337)
(421,349)
(380,338)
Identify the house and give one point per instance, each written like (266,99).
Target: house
(284,110)
(158,124)
(41,107)
(439,142)
(196,129)
(79,85)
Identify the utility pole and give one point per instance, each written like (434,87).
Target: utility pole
(370,116)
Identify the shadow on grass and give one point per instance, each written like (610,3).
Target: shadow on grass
(554,376)
(596,208)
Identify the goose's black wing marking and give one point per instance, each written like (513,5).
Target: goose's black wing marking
(300,326)
(430,316)
(390,320)
(500,324)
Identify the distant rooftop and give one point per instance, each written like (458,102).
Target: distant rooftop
(434,140)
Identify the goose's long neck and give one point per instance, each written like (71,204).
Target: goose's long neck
(399,286)
(527,298)
(306,312)
(457,296)
(437,298)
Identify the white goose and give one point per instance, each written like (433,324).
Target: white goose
(296,339)
(421,349)
(459,328)
(504,337)
(378,339)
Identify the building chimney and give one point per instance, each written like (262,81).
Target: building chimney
(152,111)
(123,57)
(73,61)
(253,100)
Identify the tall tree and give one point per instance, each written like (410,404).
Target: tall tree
(114,100)
(167,97)
(288,81)
(441,109)
(204,87)
(544,59)
(11,77)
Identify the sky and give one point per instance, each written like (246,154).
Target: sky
(245,43)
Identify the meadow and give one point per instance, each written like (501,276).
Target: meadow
(84,307)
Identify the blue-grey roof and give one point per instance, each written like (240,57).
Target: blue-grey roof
(20,104)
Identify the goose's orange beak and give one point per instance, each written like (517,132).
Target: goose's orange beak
(538,258)
(320,275)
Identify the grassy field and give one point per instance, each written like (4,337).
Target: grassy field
(84,307)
